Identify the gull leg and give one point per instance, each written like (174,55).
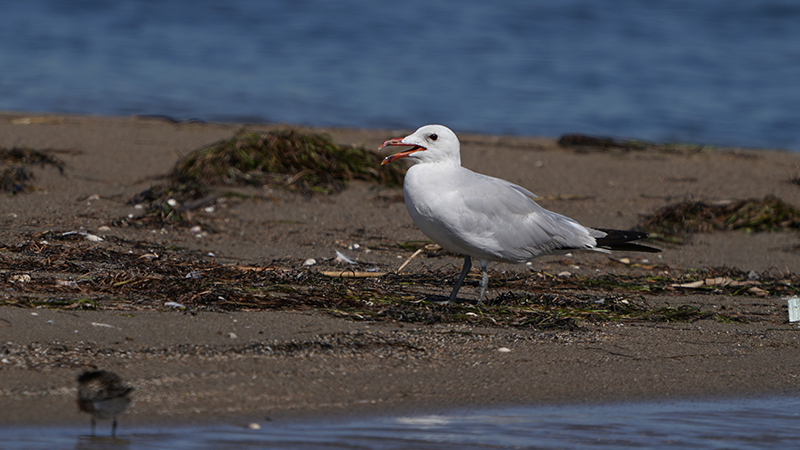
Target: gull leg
(114,428)
(464,272)
(484,281)
(93,424)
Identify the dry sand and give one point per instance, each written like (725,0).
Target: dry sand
(249,365)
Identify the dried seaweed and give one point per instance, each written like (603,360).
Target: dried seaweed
(586,143)
(288,159)
(65,271)
(767,214)
(15,174)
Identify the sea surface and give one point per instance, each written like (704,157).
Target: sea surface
(716,72)
(741,424)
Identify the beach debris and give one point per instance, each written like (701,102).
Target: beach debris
(232,335)
(42,120)
(767,214)
(352,274)
(414,255)
(87,236)
(794,308)
(717,281)
(310,262)
(425,246)
(504,350)
(103,325)
(117,278)
(342,258)
(757,291)
(20,278)
(253,426)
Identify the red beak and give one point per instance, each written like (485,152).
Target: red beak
(398,142)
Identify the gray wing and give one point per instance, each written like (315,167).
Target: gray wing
(503,218)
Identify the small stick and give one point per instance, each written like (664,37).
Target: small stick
(402,266)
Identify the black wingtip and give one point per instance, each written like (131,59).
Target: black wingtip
(622,240)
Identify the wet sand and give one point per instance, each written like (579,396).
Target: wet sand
(250,365)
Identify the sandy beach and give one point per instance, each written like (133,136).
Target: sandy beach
(236,361)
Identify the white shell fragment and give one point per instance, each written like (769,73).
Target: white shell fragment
(21,278)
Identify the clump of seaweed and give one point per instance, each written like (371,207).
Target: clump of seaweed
(309,163)
(14,172)
(67,271)
(767,214)
(290,159)
(586,143)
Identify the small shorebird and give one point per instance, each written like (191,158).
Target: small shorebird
(487,218)
(104,395)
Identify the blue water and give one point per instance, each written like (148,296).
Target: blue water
(740,424)
(724,72)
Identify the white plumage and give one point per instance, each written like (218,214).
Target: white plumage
(480,216)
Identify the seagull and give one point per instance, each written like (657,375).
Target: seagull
(484,217)
(104,395)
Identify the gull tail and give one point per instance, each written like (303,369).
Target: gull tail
(622,240)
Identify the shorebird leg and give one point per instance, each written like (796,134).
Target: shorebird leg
(93,424)
(484,280)
(464,272)
(114,428)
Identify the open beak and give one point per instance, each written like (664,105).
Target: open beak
(398,142)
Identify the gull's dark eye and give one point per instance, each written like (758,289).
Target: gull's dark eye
(433,137)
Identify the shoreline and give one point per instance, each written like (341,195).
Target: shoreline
(299,362)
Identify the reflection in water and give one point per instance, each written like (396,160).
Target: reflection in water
(764,423)
(101,442)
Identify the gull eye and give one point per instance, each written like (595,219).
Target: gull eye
(433,137)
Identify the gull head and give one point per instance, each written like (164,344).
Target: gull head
(429,144)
